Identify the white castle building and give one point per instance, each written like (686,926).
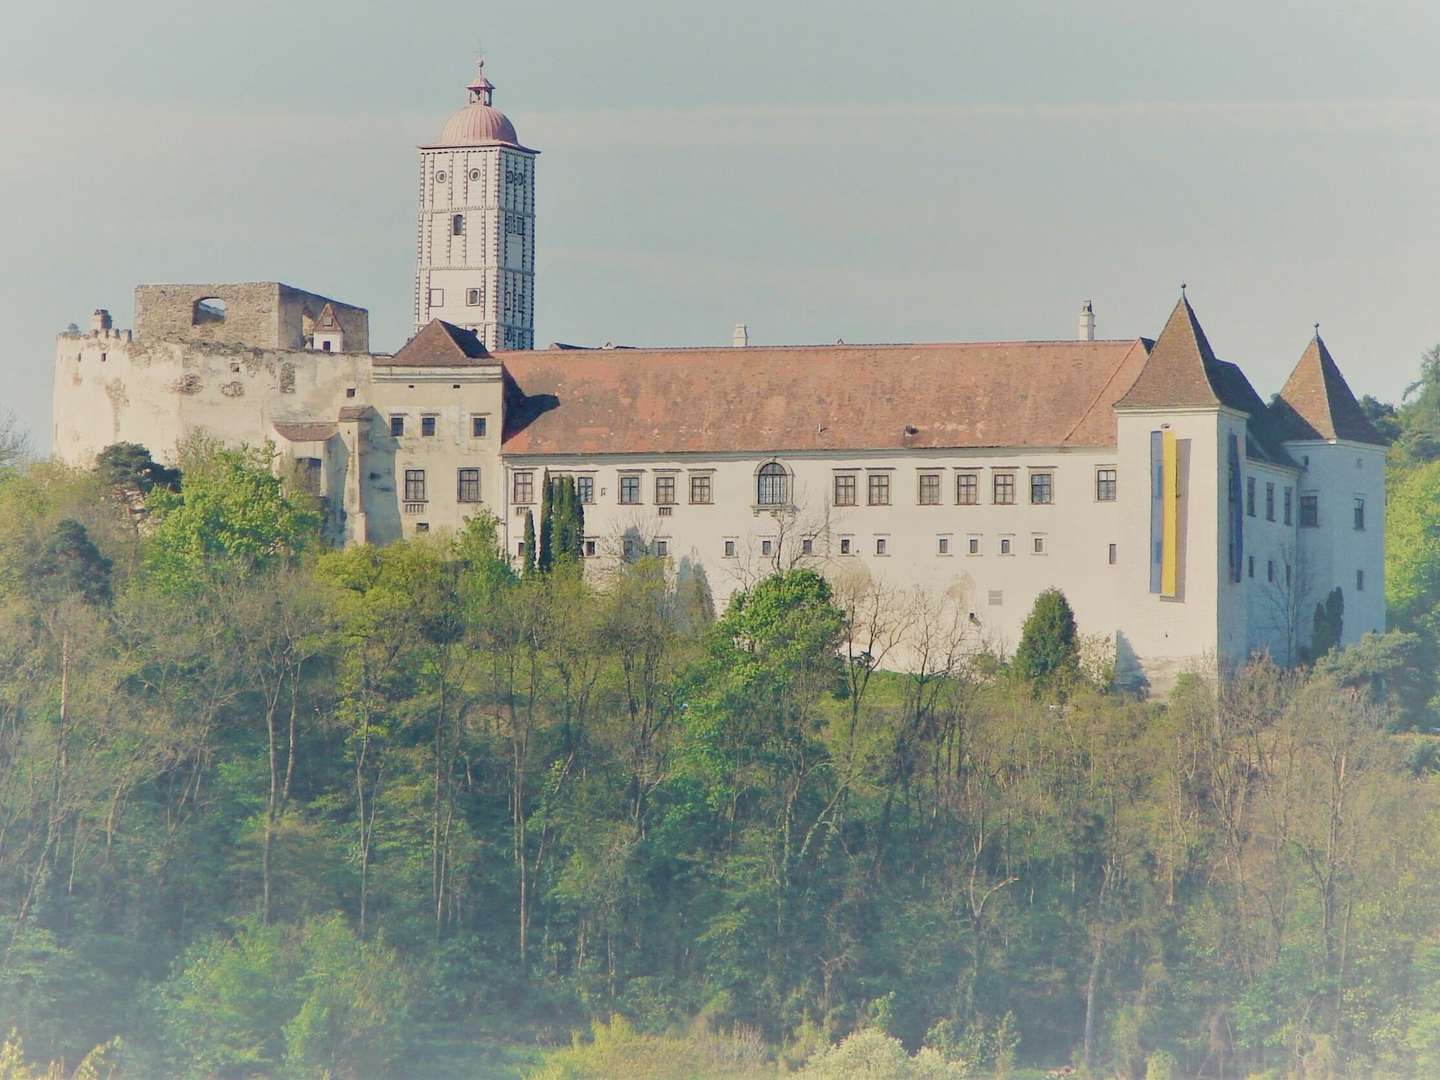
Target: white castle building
(1182,516)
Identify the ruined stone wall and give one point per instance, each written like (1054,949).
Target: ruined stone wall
(263,314)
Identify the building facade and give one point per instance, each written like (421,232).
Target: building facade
(1186,520)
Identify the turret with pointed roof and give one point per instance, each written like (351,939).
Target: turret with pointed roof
(1316,403)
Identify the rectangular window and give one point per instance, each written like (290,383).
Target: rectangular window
(700,489)
(729,549)
(665,490)
(472,297)
(427,426)
(662,548)
(1005,545)
(944,545)
(477,427)
(1250,565)
(1042,488)
(807,546)
(437,297)
(929,489)
(308,474)
(1113,554)
(422,526)
(1037,545)
(1289,502)
(397,426)
(880,545)
(628,547)
(844,545)
(1269,501)
(524,488)
(1359,514)
(765,547)
(844,489)
(974,545)
(995,597)
(1270,570)
(1249,496)
(1309,511)
(585,488)
(520,549)
(967,489)
(1004,489)
(878,489)
(469,486)
(414,485)
(1105,485)
(629,490)
(589,549)
(1359,580)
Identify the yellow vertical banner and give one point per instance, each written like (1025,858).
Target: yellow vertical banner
(1170,529)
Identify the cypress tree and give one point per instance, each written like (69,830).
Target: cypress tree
(546,557)
(579,508)
(529,562)
(567,544)
(1328,624)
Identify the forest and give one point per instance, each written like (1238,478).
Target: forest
(272,809)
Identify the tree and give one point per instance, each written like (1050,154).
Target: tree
(128,466)
(545,557)
(1049,649)
(69,564)
(1328,624)
(531,563)
(14,444)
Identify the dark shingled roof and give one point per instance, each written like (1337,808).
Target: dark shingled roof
(354,412)
(768,399)
(304,431)
(1316,402)
(439,345)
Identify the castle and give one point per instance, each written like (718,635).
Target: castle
(1184,518)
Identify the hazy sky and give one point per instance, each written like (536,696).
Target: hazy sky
(821,170)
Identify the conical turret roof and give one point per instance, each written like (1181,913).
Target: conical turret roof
(1317,403)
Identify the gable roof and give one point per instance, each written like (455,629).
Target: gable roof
(439,345)
(327,317)
(769,399)
(1316,402)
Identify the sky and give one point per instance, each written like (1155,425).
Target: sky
(916,170)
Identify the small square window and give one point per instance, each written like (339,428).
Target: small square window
(1037,545)
(729,549)
(662,548)
(590,549)
(422,526)
(1042,488)
(845,545)
(472,297)
(520,549)
(629,490)
(397,426)
(1113,554)
(807,546)
(967,489)
(943,545)
(974,545)
(880,545)
(478,426)
(350,391)
(996,597)
(765,547)
(427,426)
(929,489)
(437,298)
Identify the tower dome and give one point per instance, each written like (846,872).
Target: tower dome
(479,123)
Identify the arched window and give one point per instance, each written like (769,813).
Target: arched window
(457,225)
(772,485)
(210,309)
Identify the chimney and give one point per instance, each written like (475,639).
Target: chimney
(741,337)
(1087,322)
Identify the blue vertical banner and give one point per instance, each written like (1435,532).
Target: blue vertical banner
(1157,508)
(1237,513)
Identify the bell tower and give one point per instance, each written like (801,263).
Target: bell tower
(475,242)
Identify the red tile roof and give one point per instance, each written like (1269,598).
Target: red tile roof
(1182,371)
(762,399)
(439,345)
(304,431)
(1316,402)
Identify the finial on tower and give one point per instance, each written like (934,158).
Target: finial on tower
(481,89)
(1317,331)
(1182,290)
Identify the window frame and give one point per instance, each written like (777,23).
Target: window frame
(397,425)
(967,483)
(1357,513)
(664,489)
(928,491)
(1107,487)
(846,489)
(522,482)
(1269,500)
(772,485)
(1004,480)
(1309,510)
(877,489)
(415,482)
(429,424)
(479,425)
(1249,496)
(467,484)
(627,492)
(697,482)
(585,490)
(1042,482)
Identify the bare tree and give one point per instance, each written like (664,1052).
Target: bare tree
(14,442)
(1285,599)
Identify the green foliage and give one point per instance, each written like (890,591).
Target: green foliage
(69,564)
(312,1000)
(872,1055)
(1328,624)
(1049,651)
(616,1049)
(233,515)
(531,563)
(128,466)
